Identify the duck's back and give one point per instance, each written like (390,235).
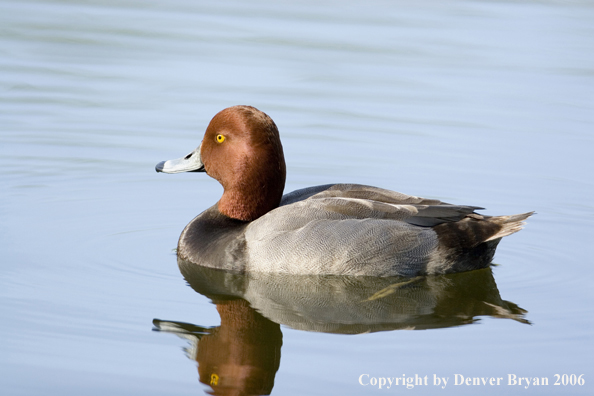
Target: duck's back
(360,230)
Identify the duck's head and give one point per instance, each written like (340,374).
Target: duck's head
(241,149)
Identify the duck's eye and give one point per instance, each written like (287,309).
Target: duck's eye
(220,138)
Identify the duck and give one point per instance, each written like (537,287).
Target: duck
(331,229)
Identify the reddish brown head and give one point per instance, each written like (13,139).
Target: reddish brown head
(242,150)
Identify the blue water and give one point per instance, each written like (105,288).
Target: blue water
(472,102)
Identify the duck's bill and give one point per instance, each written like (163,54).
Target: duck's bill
(189,163)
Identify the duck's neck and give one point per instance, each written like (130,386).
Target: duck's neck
(251,198)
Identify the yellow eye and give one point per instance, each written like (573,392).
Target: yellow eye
(220,138)
(214,379)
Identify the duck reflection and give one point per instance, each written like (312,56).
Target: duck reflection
(239,357)
(242,355)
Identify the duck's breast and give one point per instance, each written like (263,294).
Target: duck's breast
(214,240)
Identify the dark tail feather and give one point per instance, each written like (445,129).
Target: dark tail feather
(509,224)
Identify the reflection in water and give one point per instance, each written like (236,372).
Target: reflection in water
(239,357)
(242,355)
(358,304)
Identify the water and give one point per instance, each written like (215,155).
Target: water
(473,102)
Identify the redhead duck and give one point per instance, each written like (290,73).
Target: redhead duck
(334,229)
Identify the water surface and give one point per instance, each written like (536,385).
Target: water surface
(472,102)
